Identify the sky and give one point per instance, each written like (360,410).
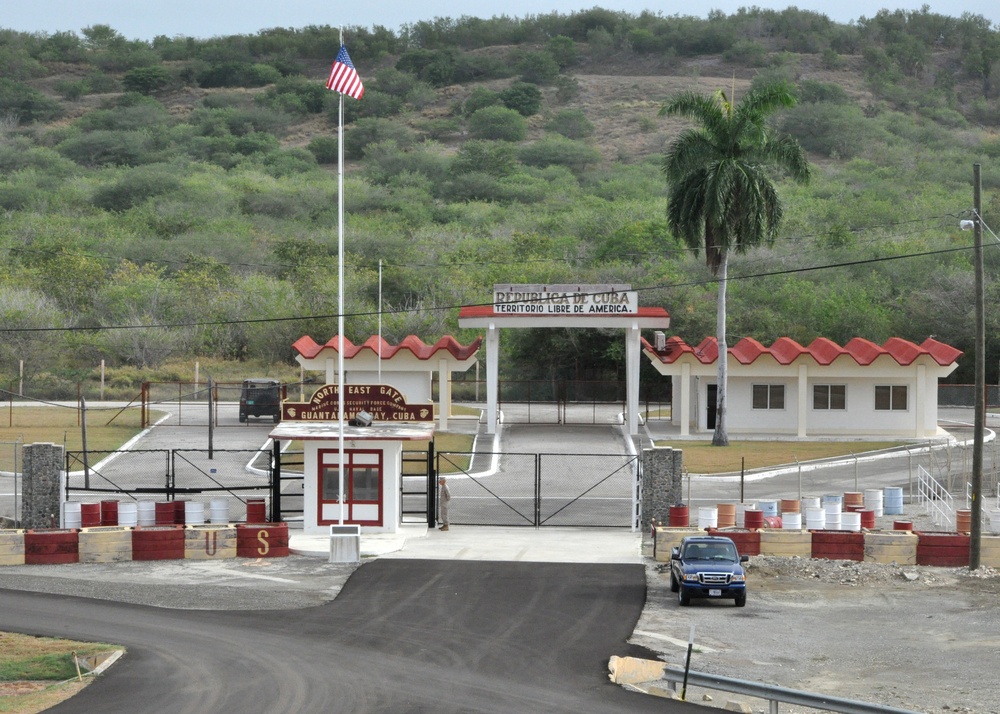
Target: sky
(143,20)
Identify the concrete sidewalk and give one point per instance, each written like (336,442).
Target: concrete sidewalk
(532,545)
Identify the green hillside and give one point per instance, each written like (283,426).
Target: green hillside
(176,200)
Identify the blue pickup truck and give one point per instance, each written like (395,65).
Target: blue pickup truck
(708,567)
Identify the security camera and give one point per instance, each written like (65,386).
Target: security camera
(966,225)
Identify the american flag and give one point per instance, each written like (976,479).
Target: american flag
(343,77)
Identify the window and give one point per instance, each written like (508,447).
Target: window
(769,396)
(830,396)
(890,398)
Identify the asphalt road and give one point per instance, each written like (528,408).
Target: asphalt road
(402,636)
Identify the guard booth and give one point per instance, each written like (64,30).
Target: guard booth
(377,423)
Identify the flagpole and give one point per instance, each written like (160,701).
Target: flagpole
(380,321)
(340,293)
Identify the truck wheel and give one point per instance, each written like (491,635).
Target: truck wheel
(674,587)
(682,597)
(243,418)
(277,418)
(741,599)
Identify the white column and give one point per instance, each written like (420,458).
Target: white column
(444,394)
(803,399)
(685,399)
(331,371)
(632,353)
(919,400)
(492,388)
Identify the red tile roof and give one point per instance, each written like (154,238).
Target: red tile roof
(786,350)
(309,348)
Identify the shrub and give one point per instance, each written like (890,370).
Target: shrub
(106,148)
(537,67)
(146,80)
(496,158)
(498,123)
(365,132)
(571,123)
(324,148)
(480,98)
(522,97)
(135,187)
(560,151)
(563,50)
(26,103)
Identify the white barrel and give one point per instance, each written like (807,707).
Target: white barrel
(128,514)
(708,517)
(850,521)
(834,518)
(808,502)
(741,513)
(874,501)
(72,514)
(146,513)
(218,510)
(792,521)
(994,520)
(194,513)
(831,501)
(815,519)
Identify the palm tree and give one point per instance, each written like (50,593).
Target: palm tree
(720,194)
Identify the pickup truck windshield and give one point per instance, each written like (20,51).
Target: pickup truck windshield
(710,551)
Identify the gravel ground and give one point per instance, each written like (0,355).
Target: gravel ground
(921,638)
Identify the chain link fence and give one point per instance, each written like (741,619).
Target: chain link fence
(10,483)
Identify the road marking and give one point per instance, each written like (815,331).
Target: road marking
(252,576)
(672,640)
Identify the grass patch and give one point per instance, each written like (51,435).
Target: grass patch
(700,457)
(34,671)
(107,428)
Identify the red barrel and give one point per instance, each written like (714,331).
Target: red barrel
(753,518)
(90,515)
(868,519)
(679,517)
(772,521)
(902,525)
(166,512)
(268,540)
(257,510)
(963,520)
(109,513)
(179,511)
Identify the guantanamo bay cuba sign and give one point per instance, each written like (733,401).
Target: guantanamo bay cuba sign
(565,300)
(384,403)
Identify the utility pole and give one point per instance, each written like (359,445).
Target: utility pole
(980,417)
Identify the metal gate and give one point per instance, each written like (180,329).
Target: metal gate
(170,474)
(570,490)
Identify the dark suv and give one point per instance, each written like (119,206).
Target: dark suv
(708,567)
(260,397)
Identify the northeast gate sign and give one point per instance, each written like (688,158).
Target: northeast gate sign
(384,403)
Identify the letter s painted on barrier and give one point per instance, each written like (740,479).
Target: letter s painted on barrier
(262,536)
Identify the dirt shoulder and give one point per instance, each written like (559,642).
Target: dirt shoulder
(915,637)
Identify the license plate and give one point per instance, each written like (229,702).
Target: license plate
(715,592)
(250,402)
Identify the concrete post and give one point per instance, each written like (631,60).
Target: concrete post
(662,484)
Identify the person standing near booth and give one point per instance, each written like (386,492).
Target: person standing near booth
(444,499)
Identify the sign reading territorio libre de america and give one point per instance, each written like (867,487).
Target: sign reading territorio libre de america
(565,300)
(383,402)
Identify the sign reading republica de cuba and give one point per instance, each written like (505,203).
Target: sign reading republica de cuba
(565,300)
(383,402)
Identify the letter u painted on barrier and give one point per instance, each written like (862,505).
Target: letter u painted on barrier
(211,542)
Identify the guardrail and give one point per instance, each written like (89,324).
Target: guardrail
(775,695)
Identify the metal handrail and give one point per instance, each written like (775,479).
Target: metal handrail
(775,694)
(935,498)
